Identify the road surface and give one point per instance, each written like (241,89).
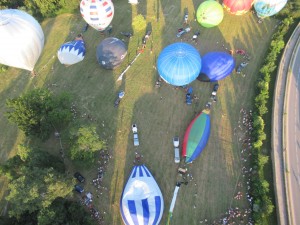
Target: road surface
(293,137)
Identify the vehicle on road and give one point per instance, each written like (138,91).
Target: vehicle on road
(135,135)
(79,177)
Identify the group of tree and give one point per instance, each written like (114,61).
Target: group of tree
(39,112)
(38,187)
(260,190)
(42,8)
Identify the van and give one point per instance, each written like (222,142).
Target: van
(176,155)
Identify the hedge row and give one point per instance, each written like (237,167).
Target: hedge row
(262,204)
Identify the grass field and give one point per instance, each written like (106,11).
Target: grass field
(94,90)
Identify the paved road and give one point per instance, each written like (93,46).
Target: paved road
(279,157)
(293,137)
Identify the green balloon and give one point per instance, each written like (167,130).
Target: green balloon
(210,13)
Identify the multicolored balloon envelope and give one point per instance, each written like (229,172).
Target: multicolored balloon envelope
(141,201)
(71,52)
(196,137)
(216,66)
(111,52)
(265,8)
(179,63)
(210,13)
(237,7)
(21,39)
(97,13)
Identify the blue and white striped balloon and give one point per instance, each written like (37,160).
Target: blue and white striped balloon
(71,52)
(141,201)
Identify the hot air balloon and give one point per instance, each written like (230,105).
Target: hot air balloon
(97,13)
(21,39)
(265,8)
(111,52)
(210,13)
(72,52)
(179,63)
(216,66)
(141,201)
(238,7)
(196,136)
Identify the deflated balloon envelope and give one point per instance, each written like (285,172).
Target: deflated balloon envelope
(216,66)
(21,39)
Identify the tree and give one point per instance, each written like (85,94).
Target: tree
(139,23)
(38,112)
(63,211)
(85,143)
(36,179)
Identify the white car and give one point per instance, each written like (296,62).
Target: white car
(176,149)
(135,135)
(176,141)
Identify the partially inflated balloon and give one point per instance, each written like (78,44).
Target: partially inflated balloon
(210,13)
(71,52)
(216,66)
(21,39)
(265,8)
(238,7)
(97,13)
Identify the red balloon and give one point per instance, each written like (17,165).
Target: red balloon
(238,7)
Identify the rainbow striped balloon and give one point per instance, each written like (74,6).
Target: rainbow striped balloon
(97,13)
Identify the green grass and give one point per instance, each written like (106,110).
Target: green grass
(94,90)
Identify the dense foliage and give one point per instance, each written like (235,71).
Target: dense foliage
(84,143)
(36,179)
(42,8)
(263,206)
(39,112)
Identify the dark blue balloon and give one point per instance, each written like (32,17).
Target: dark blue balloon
(179,64)
(216,66)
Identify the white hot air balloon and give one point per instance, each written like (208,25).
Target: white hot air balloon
(21,39)
(71,52)
(97,13)
(141,202)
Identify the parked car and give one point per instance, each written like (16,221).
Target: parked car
(176,149)
(79,177)
(78,188)
(176,142)
(135,135)
(188,99)
(186,30)
(214,92)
